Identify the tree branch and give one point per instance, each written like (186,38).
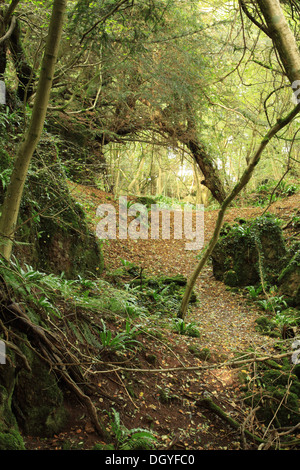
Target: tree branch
(10,10)
(8,34)
(103,19)
(251,18)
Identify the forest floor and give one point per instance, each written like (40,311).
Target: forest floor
(168,401)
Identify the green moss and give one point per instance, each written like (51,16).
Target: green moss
(54,227)
(289,279)
(6,415)
(11,440)
(248,250)
(231,278)
(37,400)
(10,437)
(279,378)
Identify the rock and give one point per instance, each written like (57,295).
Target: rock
(245,251)
(37,401)
(54,233)
(289,280)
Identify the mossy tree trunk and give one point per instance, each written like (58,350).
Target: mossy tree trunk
(11,205)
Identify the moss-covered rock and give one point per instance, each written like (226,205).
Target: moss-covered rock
(38,402)
(276,393)
(10,437)
(54,233)
(246,251)
(280,407)
(11,440)
(231,278)
(289,279)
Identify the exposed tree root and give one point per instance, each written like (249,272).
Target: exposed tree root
(212,406)
(51,349)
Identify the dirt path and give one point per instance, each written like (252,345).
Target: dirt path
(224,318)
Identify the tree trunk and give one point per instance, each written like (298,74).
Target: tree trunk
(11,205)
(282,36)
(24,70)
(134,182)
(205,163)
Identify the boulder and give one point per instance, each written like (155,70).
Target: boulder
(289,280)
(248,250)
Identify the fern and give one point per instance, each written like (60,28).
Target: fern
(130,439)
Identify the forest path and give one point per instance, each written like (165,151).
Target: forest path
(227,325)
(224,318)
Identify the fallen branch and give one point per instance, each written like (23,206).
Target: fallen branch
(234,363)
(212,406)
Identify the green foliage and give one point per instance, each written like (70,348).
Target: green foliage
(5,177)
(166,202)
(183,328)
(281,190)
(28,283)
(282,324)
(273,304)
(127,264)
(161,294)
(42,291)
(124,340)
(254,292)
(127,439)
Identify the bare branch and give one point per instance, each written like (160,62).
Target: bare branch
(8,34)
